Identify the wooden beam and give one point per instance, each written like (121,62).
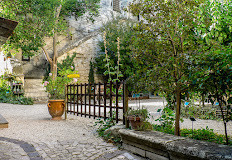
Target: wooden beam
(7,27)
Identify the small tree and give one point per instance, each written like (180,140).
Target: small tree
(42,18)
(164,43)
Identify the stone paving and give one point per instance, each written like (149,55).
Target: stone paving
(32,135)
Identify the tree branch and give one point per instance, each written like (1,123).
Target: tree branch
(172,42)
(47,56)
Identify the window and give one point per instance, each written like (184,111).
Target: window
(25,58)
(116,5)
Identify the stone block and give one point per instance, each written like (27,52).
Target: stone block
(154,156)
(174,147)
(3,122)
(134,150)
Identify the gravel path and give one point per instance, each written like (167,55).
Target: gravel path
(157,103)
(31,129)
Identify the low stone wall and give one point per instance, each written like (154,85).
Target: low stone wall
(161,146)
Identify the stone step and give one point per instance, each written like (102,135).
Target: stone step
(34,95)
(3,122)
(36,90)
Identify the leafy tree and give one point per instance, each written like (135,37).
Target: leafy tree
(214,66)
(164,43)
(42,18)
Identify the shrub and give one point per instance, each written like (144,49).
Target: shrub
(7,96)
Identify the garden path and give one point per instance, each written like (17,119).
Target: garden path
(156,103)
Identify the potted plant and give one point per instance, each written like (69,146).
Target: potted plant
(8,55)
(137,117)
(56,89)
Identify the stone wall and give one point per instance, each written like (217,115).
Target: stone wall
(85,53)
(82,39)
(162,146)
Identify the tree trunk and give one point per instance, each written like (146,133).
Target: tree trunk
(224,121)
(203,100)
(53,62)
(55,55)
(178,106)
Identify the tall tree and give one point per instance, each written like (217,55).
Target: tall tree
(214,66)
(164,43)
(42,18)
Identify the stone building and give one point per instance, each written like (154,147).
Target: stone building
(82,40)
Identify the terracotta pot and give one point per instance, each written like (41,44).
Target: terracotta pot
(136,122)
(56,108)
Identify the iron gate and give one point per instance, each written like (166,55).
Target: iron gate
(103,100)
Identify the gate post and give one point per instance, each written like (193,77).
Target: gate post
(66,101)
(125,104)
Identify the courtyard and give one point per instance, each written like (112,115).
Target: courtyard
(32,135)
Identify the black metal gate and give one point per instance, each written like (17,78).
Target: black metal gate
(102,100)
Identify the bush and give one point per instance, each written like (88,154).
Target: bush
(103,126)
(198,134)
(167,120)
(7,96)
(204,134)
(199,112)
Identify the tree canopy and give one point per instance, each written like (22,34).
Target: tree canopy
(38,19)
(42,18)
(165,41)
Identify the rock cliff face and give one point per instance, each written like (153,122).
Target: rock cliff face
(82,40)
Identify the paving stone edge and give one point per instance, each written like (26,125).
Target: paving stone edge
(28,148)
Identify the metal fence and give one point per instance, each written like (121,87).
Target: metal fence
(103,100)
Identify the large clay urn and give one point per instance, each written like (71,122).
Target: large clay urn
(56,108)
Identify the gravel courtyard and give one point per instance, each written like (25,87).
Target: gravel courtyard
(32,135)
(31,128)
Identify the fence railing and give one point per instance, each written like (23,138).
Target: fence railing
(102,100)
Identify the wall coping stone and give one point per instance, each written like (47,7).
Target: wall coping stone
(174,147)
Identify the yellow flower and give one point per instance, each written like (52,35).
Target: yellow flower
(73,76)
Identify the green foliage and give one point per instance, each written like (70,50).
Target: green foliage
(198,134)
(56,87)
(10,77)
(114,29)
(164,44)
(67,63)
(7,96)
(103,125)
(212,71)
(199,112)
(39,19)
(204,134)
(91,73)
(165,40)
(142,113)
(167,117)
